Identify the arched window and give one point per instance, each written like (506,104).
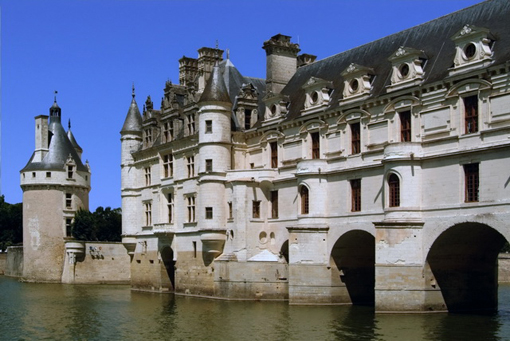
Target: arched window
(304,200)
(394,189)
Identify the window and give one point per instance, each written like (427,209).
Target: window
(304,200)
(256,209)
(48,174)
(194,249)
(191,166)
(69,224)
(148,213)
(405,126)
(208,165)
(274,204)
(356,195)
(168,131)
(147,171)
(170,207)
(247,119)
(230,210)
(208,126)
(394,188)
(208,213)
(148,137)
(355,138)
(471,175)
(168,165)
(69,201)
(471,113)
(191,209)
(316,146)
(274,154)
(70,171)
(191,124)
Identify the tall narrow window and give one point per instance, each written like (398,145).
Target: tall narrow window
(70,171)
(208,126)
(191,209)
(274,154)
(355,138)
(191,124)
(69,200)
(356,195)
(405,126)
(305,205)
(394,189)
(208,213)
(230,210)
(274,204)
(69,224)
(247,119)
(472,179)
(170,207)
(208,165)
(166,132)
(168,165)
(191,166)
(148,213)
(256,209)
(471,113)
(316,145)
(148,137)
(147,171)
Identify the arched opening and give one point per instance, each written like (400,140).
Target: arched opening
(464,262)
(353,268)
(305,197)
(284,250)
(167,256)
(394,190)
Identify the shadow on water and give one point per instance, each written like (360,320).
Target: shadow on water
(84,312)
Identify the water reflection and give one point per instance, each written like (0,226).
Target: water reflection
(81,312)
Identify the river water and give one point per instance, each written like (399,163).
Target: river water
(86,312)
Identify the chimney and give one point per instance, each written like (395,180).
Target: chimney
(188,69)
(41,138)
(206,59)
(281,62)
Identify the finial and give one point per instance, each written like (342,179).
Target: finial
(228,54)
(69,124)
(216,44)
(56,92)
(133,94)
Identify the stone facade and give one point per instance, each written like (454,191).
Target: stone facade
(376,176)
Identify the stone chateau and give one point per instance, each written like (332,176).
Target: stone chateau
(379,175)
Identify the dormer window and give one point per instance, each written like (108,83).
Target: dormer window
(407,68)
(276,106)
(473,48)
(357,82)
(317,92)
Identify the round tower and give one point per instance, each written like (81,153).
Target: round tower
(55,185)
(131,139)
(215,110)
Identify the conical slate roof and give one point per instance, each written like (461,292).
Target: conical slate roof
(133,122)
(71,138)
(215,90)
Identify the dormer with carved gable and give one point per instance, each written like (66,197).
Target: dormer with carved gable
(407,68)
(276,106)
(317,93)
(357,82)
(473,49)
(246,106)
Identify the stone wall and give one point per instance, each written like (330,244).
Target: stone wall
(504,268)
(3,262)
(14,261)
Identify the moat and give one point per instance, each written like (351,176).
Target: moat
(86,312)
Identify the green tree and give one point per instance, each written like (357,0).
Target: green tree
(105,224)
(11,224)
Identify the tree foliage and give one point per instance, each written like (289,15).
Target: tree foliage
(105,224)
(11,224)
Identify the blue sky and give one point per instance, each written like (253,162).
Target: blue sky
(92,51)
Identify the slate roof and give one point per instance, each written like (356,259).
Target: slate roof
(133,122)
(433,37)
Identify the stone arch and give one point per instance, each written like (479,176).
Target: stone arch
(353,268)
(463,261)
(168,273)
(284,251)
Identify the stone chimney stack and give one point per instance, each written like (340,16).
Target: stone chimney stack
(41,138)
(206,59)
(281,62)
(188,69)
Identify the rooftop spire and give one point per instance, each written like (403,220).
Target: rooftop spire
(133,122)
(133,94)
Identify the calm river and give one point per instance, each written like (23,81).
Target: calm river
(84,312)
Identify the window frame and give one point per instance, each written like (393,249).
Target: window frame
(355,195)
(355,137)
(471,182)
(304,195)
(274,204)
(471,114)
(394,189)
(255,209)
(316,145)
(405,126)
(273,146)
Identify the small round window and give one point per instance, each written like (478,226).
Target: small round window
(273,109)
(354,85)
(315,97)
(469,50)
(404,70)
